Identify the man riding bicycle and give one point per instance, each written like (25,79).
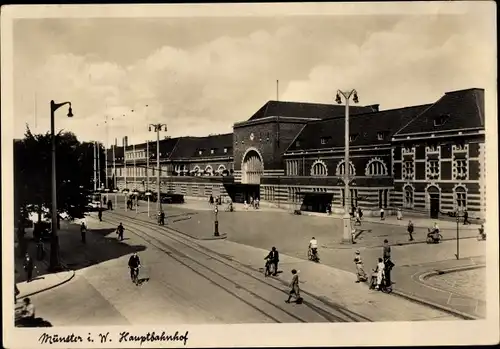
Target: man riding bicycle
(272,259)
(134,264)
(313,246)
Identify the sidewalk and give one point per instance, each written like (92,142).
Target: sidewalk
(421,283)
(42,279)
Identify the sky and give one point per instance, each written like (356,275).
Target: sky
(200,75)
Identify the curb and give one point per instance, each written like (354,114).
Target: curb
(72,275)
(359,245)
(385,222)
(432,273)
(440,307)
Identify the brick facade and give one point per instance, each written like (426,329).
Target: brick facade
(394,164)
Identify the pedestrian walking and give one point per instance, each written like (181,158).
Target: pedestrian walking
(119,231)
(410,229)
(245,205)
(99,214)
(358,219)
(83,232)
(110,205)
(466,217)
(387,262)
(257,203)
(211,200)
(28,267)
(360,271)
(399,214)
(379,270)
(162,218)
(382,214)
(40,250)
(360,212)
(294,287)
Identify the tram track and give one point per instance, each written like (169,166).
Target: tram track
(323,309)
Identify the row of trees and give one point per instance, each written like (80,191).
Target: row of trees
(32,173)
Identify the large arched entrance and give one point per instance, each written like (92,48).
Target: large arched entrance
(252,167)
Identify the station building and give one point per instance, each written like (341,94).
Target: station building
(426,159)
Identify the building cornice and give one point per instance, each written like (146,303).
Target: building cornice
(267,119)
(433,136)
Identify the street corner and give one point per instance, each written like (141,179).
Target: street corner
(44,283)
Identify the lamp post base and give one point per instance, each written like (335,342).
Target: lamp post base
(55,264)
(347,236)
(216,231)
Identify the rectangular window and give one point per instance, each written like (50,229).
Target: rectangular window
(433,169)
(212,151)
(380,136)
(408,172)
(461,169)
(225,150)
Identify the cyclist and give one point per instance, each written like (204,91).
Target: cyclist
(313,246)
(272,258)
(134,264)
(119,231)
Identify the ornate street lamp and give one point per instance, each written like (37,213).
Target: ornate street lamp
(346,218)
(55,264)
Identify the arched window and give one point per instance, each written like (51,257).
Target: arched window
(220,170)
(376,167)
(340,171)
(319,169)
(460,198)
(408,196)
(209,170)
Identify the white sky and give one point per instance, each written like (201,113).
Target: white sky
(201,75)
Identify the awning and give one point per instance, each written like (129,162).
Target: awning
(318,193)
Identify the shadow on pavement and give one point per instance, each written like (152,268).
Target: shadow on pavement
(142,281)
(101,245)
(37,322)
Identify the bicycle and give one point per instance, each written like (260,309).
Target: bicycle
(312,256)
(135,275)
(269,268)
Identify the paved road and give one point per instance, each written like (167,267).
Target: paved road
(291,235)
(180,286)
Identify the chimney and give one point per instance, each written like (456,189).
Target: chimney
(116,142)
(125,141)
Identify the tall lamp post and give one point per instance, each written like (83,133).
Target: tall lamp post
(347,236)
(54,245)
(458,232)
(157,128)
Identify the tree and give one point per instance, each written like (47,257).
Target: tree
(32,166)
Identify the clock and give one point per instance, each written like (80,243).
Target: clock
(252,136)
